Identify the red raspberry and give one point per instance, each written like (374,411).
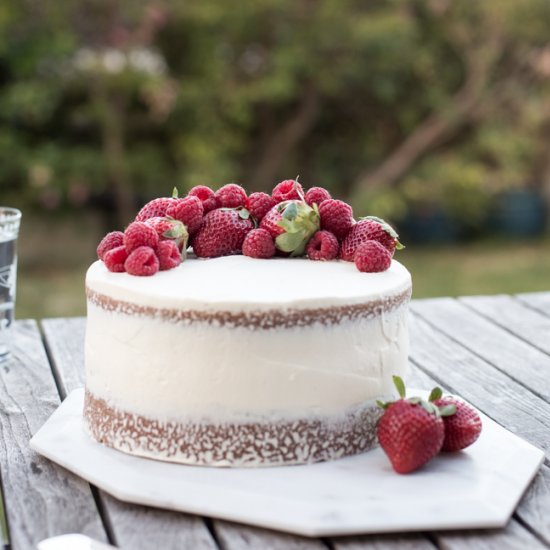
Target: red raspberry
(336,217)
(287,190)
(142,262)
(322,246)
(259,244)
(189,211)
(369,229)
(372,257)
(110,241)
(168,255)
(139,234)
(461,428)
(114,259)
(205,195)
(259,204)
(317,195)
(222,233)
(230,196)
(155,208)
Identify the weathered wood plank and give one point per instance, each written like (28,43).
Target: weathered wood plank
(514,316)
(518,359)
(384,542)
(537,300)
(134,527)
(42,500)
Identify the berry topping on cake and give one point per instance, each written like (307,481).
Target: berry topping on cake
(372,257)
(114,259)
(205,195)
(230,196)
(259,244)
(411,431)
(336,217)
(139,234)
(259,204)
(157,207)
(322,246)
(110,241)
(189,211)
(287,190)
(461,428)
(369,229)
(142,262)
(291,224)
(222,232)
(170,229)
(316,195)
(168,255)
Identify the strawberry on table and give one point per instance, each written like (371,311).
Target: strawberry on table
(336,217)
(369,229)
(205,195)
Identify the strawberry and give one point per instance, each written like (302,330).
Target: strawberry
(462,428)
(259,204)
(222,232)
(230,196)
(259,244)
(168,255)
(322,246)
(142,262)
(372,257)
(170,229)
(205,195)
(317,195)
(114,259)
(291,223)
(411,431)
(287,190)
(189,211)
(336,217)
(369,229)
(110,241)
(156,208)
(139,234)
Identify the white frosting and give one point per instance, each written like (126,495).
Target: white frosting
(170,370)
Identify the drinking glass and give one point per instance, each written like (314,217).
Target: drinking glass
(9,229)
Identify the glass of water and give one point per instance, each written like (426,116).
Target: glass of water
(10,219)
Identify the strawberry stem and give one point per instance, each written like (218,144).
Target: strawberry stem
(399,386)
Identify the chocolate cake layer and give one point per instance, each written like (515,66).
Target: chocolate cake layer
(268,319)
(233,444)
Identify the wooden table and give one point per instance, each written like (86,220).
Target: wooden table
(494,351)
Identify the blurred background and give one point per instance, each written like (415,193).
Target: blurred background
(433,114)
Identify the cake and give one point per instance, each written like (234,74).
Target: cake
(235,361)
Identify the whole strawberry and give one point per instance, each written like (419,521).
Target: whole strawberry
(292,224)
(168,255)
(156,208)
(369,229)
(139,234)
(287,190)
(322,246)
(188,211)
(259,244)
(317,195)
(222,232)
(142,262)
(205,195)
(110,241)
(411,431)
(230,196)
(259,204)
(170,229)
(462,428)
(372,257)
(336,217)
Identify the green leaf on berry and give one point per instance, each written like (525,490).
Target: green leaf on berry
(447,410)
(382,405)
(175,193)
(435,394)
(244,213)
(288,242)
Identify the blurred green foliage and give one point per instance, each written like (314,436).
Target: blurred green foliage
(390,104)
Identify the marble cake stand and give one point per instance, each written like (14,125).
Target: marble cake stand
(476,488)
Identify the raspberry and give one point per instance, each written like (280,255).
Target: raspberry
(168,255)
(336,217)
(222,233)
(139,234)
(322,246)
(230,196)
(189,211)
(114,259)
(259,244)
(154,208)
(372,257)
(110,241)
(142,262)
(369,229)
(287,190)
(317,195)
(205,195)
(259,204)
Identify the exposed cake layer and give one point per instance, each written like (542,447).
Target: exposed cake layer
(266,443)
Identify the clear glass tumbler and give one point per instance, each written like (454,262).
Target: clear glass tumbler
(10,219)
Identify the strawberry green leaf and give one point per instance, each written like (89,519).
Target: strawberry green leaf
(435,394)
(399,385)
(288,242)
(291,211)
(175,193)
(385,226)
(382,405)
(447,410)
(244,213)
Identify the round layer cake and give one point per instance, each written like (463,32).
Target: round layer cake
(235,361)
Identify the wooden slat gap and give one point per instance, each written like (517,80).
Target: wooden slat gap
(51,360)
(541,538)
(530,306)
